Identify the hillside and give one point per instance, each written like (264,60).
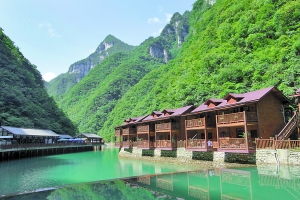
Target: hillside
(24,101)
(66,81)
(90,101)
(233,46)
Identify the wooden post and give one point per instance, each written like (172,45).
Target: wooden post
(217,131)
(246,130)
(205,133)
(185,130)
(171,133)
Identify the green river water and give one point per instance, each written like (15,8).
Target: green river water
(92,175)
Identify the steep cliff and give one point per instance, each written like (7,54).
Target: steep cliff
(64,82)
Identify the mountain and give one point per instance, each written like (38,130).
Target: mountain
(233,46)
(91,100)
(64,82)
(24,101)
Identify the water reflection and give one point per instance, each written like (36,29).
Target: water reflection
(243,183)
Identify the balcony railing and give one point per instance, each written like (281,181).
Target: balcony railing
(145,144)
(129,131)
(166,126)
(236,118)
(196,143)
(236,143)
(143,129)
(38,145)
(195,123)
(165,144)
(181,144)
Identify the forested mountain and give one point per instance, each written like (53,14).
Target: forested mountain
(89,102)
(233,46)
(64,82)
(24,101)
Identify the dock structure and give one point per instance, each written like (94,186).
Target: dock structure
(16,143)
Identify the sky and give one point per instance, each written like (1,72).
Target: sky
(53,34)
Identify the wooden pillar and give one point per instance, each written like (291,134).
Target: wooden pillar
(171,133)
(186,137)
(205,132)
(149,135)
(217,131)
(246,129)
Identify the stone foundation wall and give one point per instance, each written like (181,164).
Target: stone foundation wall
(294,158)
(266,156)
(183,154)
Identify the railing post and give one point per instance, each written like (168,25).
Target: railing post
(289,142)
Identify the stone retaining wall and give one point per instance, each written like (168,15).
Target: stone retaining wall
(264,156)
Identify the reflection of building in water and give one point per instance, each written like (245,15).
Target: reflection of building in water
(144,179)
(165,181)
(198,184)
(232,181)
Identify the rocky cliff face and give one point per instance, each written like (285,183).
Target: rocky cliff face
(81,68)
(64,82)
(172,37)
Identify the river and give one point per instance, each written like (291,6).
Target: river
(92,170)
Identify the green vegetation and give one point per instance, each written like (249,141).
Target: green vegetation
(90,101)
(233,46)
(65,82)
(24,101)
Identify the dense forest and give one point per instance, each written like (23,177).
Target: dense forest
(24,102)
(233,46)
(90,101)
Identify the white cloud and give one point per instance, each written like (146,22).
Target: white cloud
(48,76)
(153,20)
(158,32)
(168,16)
(50,29)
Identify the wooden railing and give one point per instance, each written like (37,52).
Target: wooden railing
(277,144)
(145,144)
(236,117)
(193,123)
(166,126)
(289,128)
(196,143)
(143,129)
(181,144)
(37,145)
(233,143)
(127,144)
(164,144)
(163,127)
(265,143)
(129,131)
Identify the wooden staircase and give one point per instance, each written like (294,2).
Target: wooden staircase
(289,128)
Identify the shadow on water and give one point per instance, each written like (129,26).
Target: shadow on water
(263,182)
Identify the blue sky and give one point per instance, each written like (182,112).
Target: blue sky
(53,34)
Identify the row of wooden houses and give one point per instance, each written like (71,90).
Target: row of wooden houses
(230,124)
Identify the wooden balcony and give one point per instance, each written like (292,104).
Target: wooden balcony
(129,131)
(236,143)
(165,144)
(195,123)
(165,127)
(201,145)
(143,129)
(235,118)
(144,144)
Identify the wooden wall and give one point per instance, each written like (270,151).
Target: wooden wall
(270,116)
